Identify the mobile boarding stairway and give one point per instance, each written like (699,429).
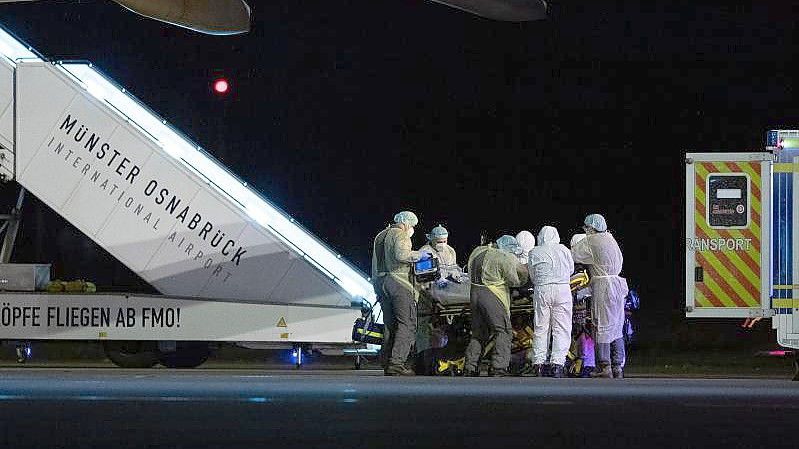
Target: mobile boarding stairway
(230,265)
(741,228)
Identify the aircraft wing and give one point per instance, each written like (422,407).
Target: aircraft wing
(204,16)
(233,16)
(505,10)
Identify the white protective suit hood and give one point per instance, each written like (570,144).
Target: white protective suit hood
(548,235)
(576,238)
(526,242)
(550,262)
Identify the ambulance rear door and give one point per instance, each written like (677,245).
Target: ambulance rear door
(728,234)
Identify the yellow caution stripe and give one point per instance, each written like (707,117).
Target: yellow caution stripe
(786,168)
(370,333)
(732,278)
(785,303)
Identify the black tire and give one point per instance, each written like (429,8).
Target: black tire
(188,354)
(132,354)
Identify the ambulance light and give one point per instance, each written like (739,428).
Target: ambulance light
(791,142)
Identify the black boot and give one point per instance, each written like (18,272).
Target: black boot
(557,371)
(602,372)
(530,370)
(471,372)
(398,370)
(498,372)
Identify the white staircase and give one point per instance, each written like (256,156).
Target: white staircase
(150,196)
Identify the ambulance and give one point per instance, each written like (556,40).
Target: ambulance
(740,226)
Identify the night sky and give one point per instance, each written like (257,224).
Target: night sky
(344,112)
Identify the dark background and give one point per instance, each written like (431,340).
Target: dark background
(344,112)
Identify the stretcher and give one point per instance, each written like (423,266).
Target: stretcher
(447,306)
(452,297)
(450,308)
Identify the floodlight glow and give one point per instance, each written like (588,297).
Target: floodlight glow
(13,49)
(256,207)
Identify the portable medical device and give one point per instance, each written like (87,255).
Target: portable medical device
(426,270)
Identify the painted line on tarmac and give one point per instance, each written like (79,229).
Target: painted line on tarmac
(740,405)
(96,398)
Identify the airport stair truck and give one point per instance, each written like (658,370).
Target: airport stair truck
(740,225)
(230,266)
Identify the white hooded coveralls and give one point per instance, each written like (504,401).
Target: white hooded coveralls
(551,266)
(603,256)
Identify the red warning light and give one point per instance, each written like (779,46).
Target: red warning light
(221,86)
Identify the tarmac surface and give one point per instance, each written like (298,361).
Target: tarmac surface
(202,408)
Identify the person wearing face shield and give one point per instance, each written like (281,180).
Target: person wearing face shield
(600,251)
(492,271)
(550,267)
(392,274)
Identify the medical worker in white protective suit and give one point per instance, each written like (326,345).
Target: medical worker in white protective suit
(526,243)
(600,251)
(550,266)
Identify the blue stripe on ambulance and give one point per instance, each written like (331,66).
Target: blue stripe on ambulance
(782,243)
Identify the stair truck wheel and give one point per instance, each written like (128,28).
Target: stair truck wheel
(24,351)
(187,354)
(132,354)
